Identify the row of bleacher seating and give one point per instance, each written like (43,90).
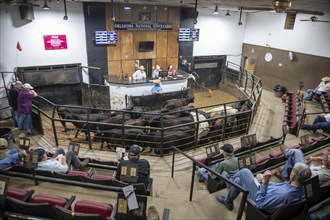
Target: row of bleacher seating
(291,114)
(214,156)
(85,179)
(271,161)
(325,101)
(22,204)
(77,178)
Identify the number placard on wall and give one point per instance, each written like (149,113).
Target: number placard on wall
(55,42)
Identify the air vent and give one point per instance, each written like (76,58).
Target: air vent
(289,21)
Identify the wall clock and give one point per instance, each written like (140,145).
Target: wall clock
(268,57)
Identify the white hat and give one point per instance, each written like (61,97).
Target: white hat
(141,67)
(17,82)
(27,86)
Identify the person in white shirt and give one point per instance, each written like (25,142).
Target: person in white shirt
(324,86)
(139,74)
(155,73)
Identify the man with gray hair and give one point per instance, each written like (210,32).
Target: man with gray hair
(268,196)
(319,165)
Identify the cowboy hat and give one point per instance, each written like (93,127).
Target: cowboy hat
(157,81)
(141,67)
(326,79)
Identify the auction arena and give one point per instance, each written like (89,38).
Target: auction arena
(194,117)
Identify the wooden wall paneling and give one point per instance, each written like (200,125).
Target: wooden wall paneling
(162,14)
(124,15)
(113,51)
(144,36)
(162,63)
(137,9)
(174,18)
(126,44)
(114,68)
(128,67)
(172,44)
(161,44)
(173,61)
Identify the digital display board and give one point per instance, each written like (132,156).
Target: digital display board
(189,34)
(106,37)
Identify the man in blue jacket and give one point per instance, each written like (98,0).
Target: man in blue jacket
(269,196)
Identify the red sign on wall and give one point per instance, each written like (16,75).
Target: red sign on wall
(55,42)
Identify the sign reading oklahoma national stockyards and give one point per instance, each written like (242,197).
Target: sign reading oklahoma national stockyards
(143,26)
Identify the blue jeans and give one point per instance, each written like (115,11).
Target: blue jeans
(15,117)
(319,123)
(71,157)
(294,156)
(310,94)
(11,160)
(245,179)
(203,174)
(25,122)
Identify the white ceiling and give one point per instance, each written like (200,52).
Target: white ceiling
(311,5)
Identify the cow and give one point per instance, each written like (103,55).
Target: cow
(204,127)
(115,136)
(68,112)
(177,103)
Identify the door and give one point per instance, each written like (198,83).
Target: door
(147,63)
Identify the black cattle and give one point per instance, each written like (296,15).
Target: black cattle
(115,136)
(68,112)
(135,111)
(81,126)
(113,121)
(180,139)
(177,103)
(169,120)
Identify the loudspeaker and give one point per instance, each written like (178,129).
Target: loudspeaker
(26,12)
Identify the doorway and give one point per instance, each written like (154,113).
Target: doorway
(249,64)
(147,63)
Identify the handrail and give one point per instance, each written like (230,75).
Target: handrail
(218,175)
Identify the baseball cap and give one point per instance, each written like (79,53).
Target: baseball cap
(40,151)
(3,143)
(228,148)
(135,150)
(27,86)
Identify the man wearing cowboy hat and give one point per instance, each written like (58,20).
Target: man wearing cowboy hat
(324,86)
(139,74)
(156,89)
(25,107)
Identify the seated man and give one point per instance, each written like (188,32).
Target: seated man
(320,122)
(324,86)
(269,196)
(11,157)
(60,162)
(229,164)
(143,165)
(297,156)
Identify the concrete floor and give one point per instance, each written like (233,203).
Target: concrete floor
(173,193)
